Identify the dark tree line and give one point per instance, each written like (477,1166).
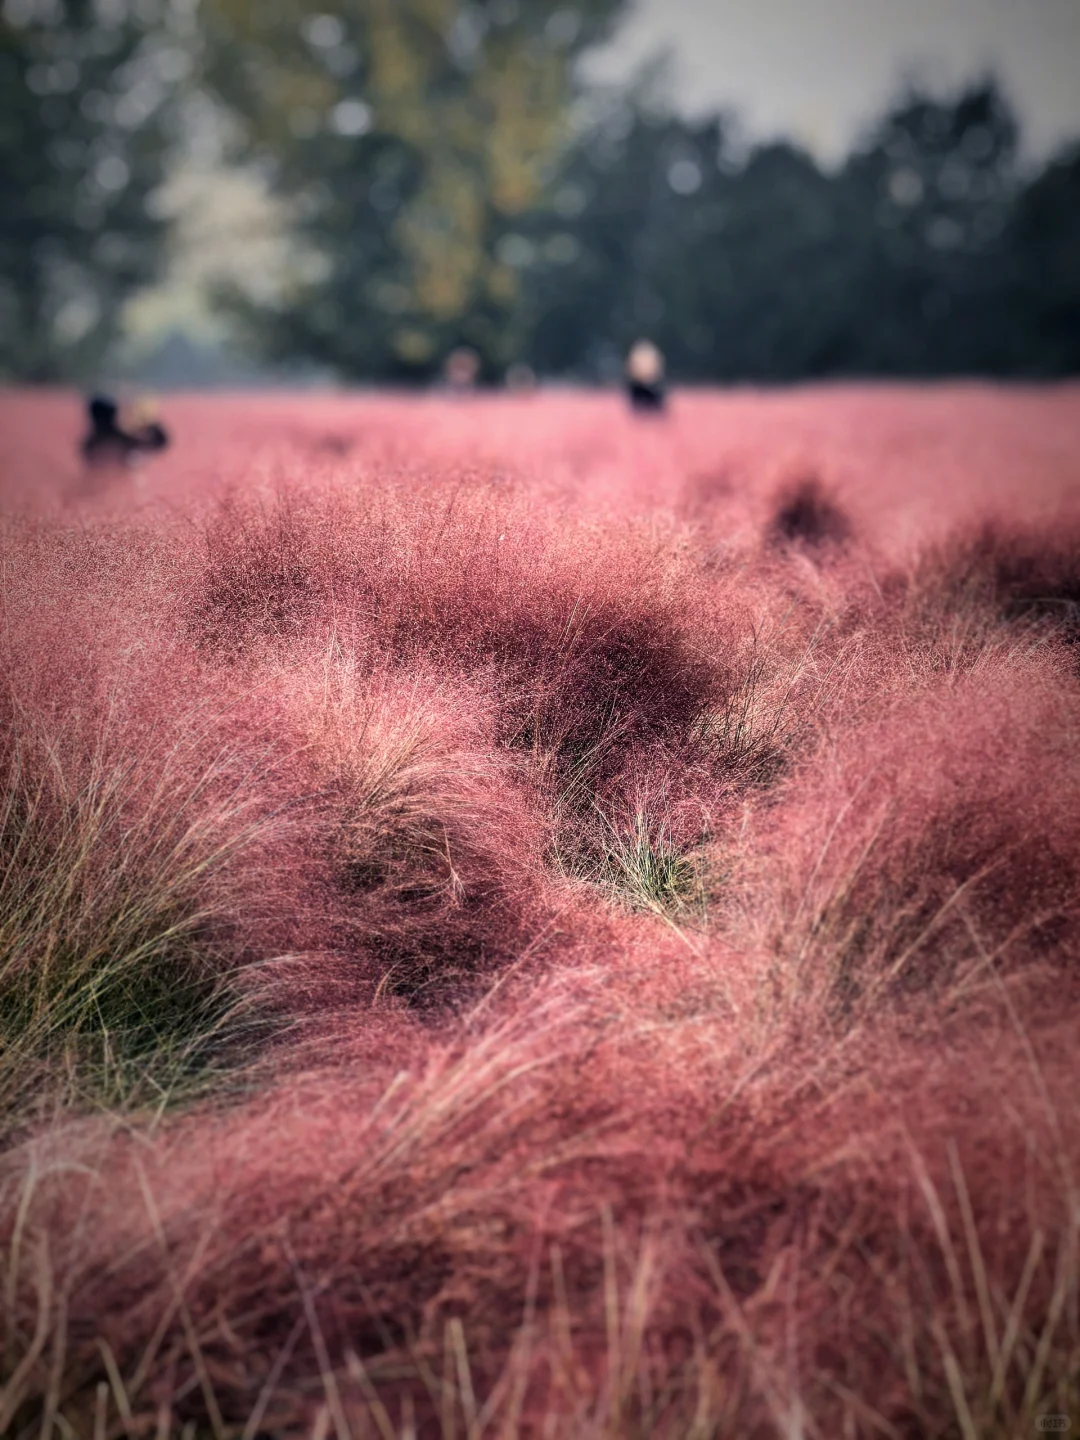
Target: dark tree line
(437,170)
(86,92)
(928,253)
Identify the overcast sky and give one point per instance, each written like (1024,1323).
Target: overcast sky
(821,69)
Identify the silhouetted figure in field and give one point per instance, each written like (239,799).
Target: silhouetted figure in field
(645,378)
(520,378)
(461,369)
(108,444)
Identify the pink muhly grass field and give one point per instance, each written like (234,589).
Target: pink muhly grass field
(521,921)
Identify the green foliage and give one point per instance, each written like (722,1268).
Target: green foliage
(409,138)
(1042,242)
(475,209)
(85,97)
(637,860)
(113,988)
(447,176)
(922,255)
(643,864)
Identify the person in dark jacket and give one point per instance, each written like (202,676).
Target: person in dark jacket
(645,377)
(108,443)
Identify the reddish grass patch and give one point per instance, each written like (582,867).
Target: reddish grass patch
(806,515)
(642,957)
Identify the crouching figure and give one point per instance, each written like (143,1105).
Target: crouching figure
(107,443)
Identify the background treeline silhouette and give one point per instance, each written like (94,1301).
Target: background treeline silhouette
(447,176)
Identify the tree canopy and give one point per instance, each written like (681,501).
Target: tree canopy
(450,176)
(86,123)
(409,137)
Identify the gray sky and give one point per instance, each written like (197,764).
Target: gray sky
(821,69)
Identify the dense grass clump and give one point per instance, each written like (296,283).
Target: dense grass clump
(806,514)
(114,916)
(589,641)
(513,923)
(1028,574)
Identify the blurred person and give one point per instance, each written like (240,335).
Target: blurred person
(461,369)
(520,378)
(645,377)
(147,428)
(109,443)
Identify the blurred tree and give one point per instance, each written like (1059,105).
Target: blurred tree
(934,188)
(909,260)
(412,138)
(1043,246)
(734,264)
(85,99)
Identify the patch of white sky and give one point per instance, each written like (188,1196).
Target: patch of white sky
(821,71)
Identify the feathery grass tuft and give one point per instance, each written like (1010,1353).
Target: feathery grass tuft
(114,915)
(669,890)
